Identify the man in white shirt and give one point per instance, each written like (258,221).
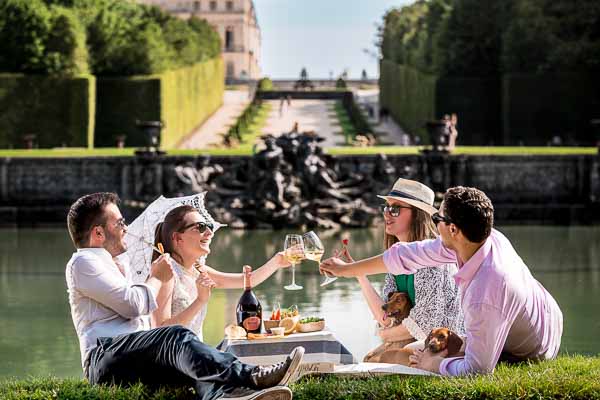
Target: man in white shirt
(116,342)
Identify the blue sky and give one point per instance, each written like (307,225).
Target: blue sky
(322,35)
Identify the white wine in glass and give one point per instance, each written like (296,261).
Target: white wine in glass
(314,250)
(294,253)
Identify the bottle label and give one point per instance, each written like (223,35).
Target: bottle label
(251,323)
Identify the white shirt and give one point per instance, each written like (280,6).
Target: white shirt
(103,302)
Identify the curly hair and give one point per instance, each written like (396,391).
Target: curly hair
(471,211)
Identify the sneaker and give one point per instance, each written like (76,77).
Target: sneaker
(272,393)
(278,374)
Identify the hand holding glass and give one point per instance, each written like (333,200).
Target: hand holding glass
(314,250)
(294,252)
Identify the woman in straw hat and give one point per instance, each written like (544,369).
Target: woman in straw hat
(433,293)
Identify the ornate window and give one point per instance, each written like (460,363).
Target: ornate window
(196,6)
(229,42)
(213,6)
(230,69)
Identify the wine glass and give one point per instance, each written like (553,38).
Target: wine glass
(313,250)
(294,252)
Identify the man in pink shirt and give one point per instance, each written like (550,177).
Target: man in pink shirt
(508,314)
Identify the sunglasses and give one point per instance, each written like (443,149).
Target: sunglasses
(437,218)
(394,210)
(199,226)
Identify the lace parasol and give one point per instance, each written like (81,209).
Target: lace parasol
(140,233)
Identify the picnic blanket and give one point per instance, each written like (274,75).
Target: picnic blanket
(324,355)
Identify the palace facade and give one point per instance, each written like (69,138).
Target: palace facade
(236,22)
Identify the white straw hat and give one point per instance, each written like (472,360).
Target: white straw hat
(414,193)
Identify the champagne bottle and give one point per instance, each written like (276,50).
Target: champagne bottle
(249,310)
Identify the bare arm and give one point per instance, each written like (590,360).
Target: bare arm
(163,316)
(369,266)
(395,334)
(373,300)
(225,280)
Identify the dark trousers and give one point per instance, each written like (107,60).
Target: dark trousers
(171,355)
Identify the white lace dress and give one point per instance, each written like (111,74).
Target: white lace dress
(184,294)
(437,301)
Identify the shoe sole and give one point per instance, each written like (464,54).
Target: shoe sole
(274,393)
(297,355)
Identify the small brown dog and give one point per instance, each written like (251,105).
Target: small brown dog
(440,339)
(397,308)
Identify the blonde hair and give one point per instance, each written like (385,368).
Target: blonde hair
(421,228)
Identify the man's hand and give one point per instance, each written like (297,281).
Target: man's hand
(333,266)
(162,269)
(428,361)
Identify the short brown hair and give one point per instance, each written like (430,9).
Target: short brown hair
(471,211)
(86,213)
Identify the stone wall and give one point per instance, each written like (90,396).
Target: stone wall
(524,189)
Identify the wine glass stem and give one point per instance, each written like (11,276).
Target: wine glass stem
(293,274)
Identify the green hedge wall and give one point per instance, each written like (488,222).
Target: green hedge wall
(59,111)
(182,99)
(477,103)
(408,95)
(537,107)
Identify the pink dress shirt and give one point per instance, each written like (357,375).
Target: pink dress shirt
(505,308)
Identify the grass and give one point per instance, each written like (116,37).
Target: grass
(576,377)
(255,131)
(251,134)
(568,377)
(348,129)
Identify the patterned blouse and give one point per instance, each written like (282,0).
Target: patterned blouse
(184,294)
(437,301)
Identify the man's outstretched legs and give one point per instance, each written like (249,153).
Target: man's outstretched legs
(175,355)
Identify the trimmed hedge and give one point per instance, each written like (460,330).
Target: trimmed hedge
(526,109)
(59,111)
(537,107)
(409,96)
(182,99)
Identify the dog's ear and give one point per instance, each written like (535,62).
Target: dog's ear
(407,305)
(428,338)
(454,343)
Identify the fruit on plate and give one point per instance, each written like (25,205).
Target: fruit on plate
(235,332)
(289,323)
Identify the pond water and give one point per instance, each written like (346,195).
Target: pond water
(37,335)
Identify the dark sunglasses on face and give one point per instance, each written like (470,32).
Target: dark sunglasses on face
(200,226)
(394,210)
(437,218)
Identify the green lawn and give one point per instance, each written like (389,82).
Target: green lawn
(344,121)
(568,377)
(255,131)
(249,137)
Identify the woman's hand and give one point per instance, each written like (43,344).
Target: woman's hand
(333,266)
(204,285)
(162,268)
(386,334)
(279,260)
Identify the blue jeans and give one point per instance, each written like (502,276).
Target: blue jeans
(171,355)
